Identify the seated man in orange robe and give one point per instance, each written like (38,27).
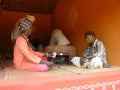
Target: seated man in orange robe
(24,57)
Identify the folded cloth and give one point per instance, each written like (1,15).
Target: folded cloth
(76,61)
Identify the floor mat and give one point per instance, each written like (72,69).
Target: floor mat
(11,73)
(78,70)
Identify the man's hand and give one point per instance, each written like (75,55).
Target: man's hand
(53,54)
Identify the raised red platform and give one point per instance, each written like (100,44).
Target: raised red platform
(109,80)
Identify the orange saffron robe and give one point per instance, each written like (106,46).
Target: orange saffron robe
(24,57)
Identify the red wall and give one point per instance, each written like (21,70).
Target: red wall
(74,17)
(8,20)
